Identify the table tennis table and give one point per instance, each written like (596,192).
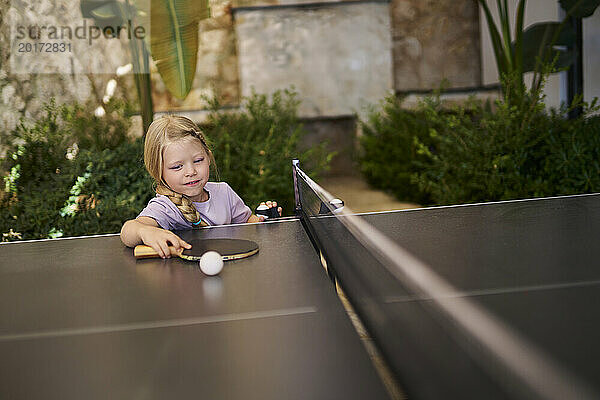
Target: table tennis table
(81,318)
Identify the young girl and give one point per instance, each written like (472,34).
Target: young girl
(178,158)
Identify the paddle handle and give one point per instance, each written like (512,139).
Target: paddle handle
(143,251)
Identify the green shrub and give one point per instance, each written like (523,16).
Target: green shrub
(70,173)
(473,153)
(254,148)
(390,152)
(112,188)
(573,165)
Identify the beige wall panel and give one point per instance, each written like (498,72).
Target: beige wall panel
(337,57)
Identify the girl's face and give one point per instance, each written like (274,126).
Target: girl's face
(186,168)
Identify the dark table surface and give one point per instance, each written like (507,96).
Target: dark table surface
(81,318)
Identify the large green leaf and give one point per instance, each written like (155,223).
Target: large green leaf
(518,44)
(104,12)
(501,60)
(579,8)
(174,41)
(546,41)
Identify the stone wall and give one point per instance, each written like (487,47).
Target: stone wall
(435,40)
(24,94)
(339,56)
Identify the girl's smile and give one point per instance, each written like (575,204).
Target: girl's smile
(192,183)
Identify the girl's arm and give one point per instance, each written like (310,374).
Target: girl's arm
(146,230)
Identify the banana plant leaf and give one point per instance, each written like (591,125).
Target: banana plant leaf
(579,8)
(546,42)
(174,41)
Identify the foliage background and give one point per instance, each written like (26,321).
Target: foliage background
(480,151)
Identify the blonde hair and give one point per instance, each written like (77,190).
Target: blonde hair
(162,132)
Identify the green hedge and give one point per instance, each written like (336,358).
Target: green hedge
(390,154)
(479,152)
(70,173)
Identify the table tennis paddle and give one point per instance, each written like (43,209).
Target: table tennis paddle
(267,212)
(229,249)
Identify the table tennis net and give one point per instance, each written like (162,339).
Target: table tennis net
(485,356)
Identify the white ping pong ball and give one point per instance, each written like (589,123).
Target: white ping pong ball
(211,263)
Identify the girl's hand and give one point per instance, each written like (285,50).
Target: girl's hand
(160,239)
(268,209)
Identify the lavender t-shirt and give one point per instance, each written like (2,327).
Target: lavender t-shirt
(223,207)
